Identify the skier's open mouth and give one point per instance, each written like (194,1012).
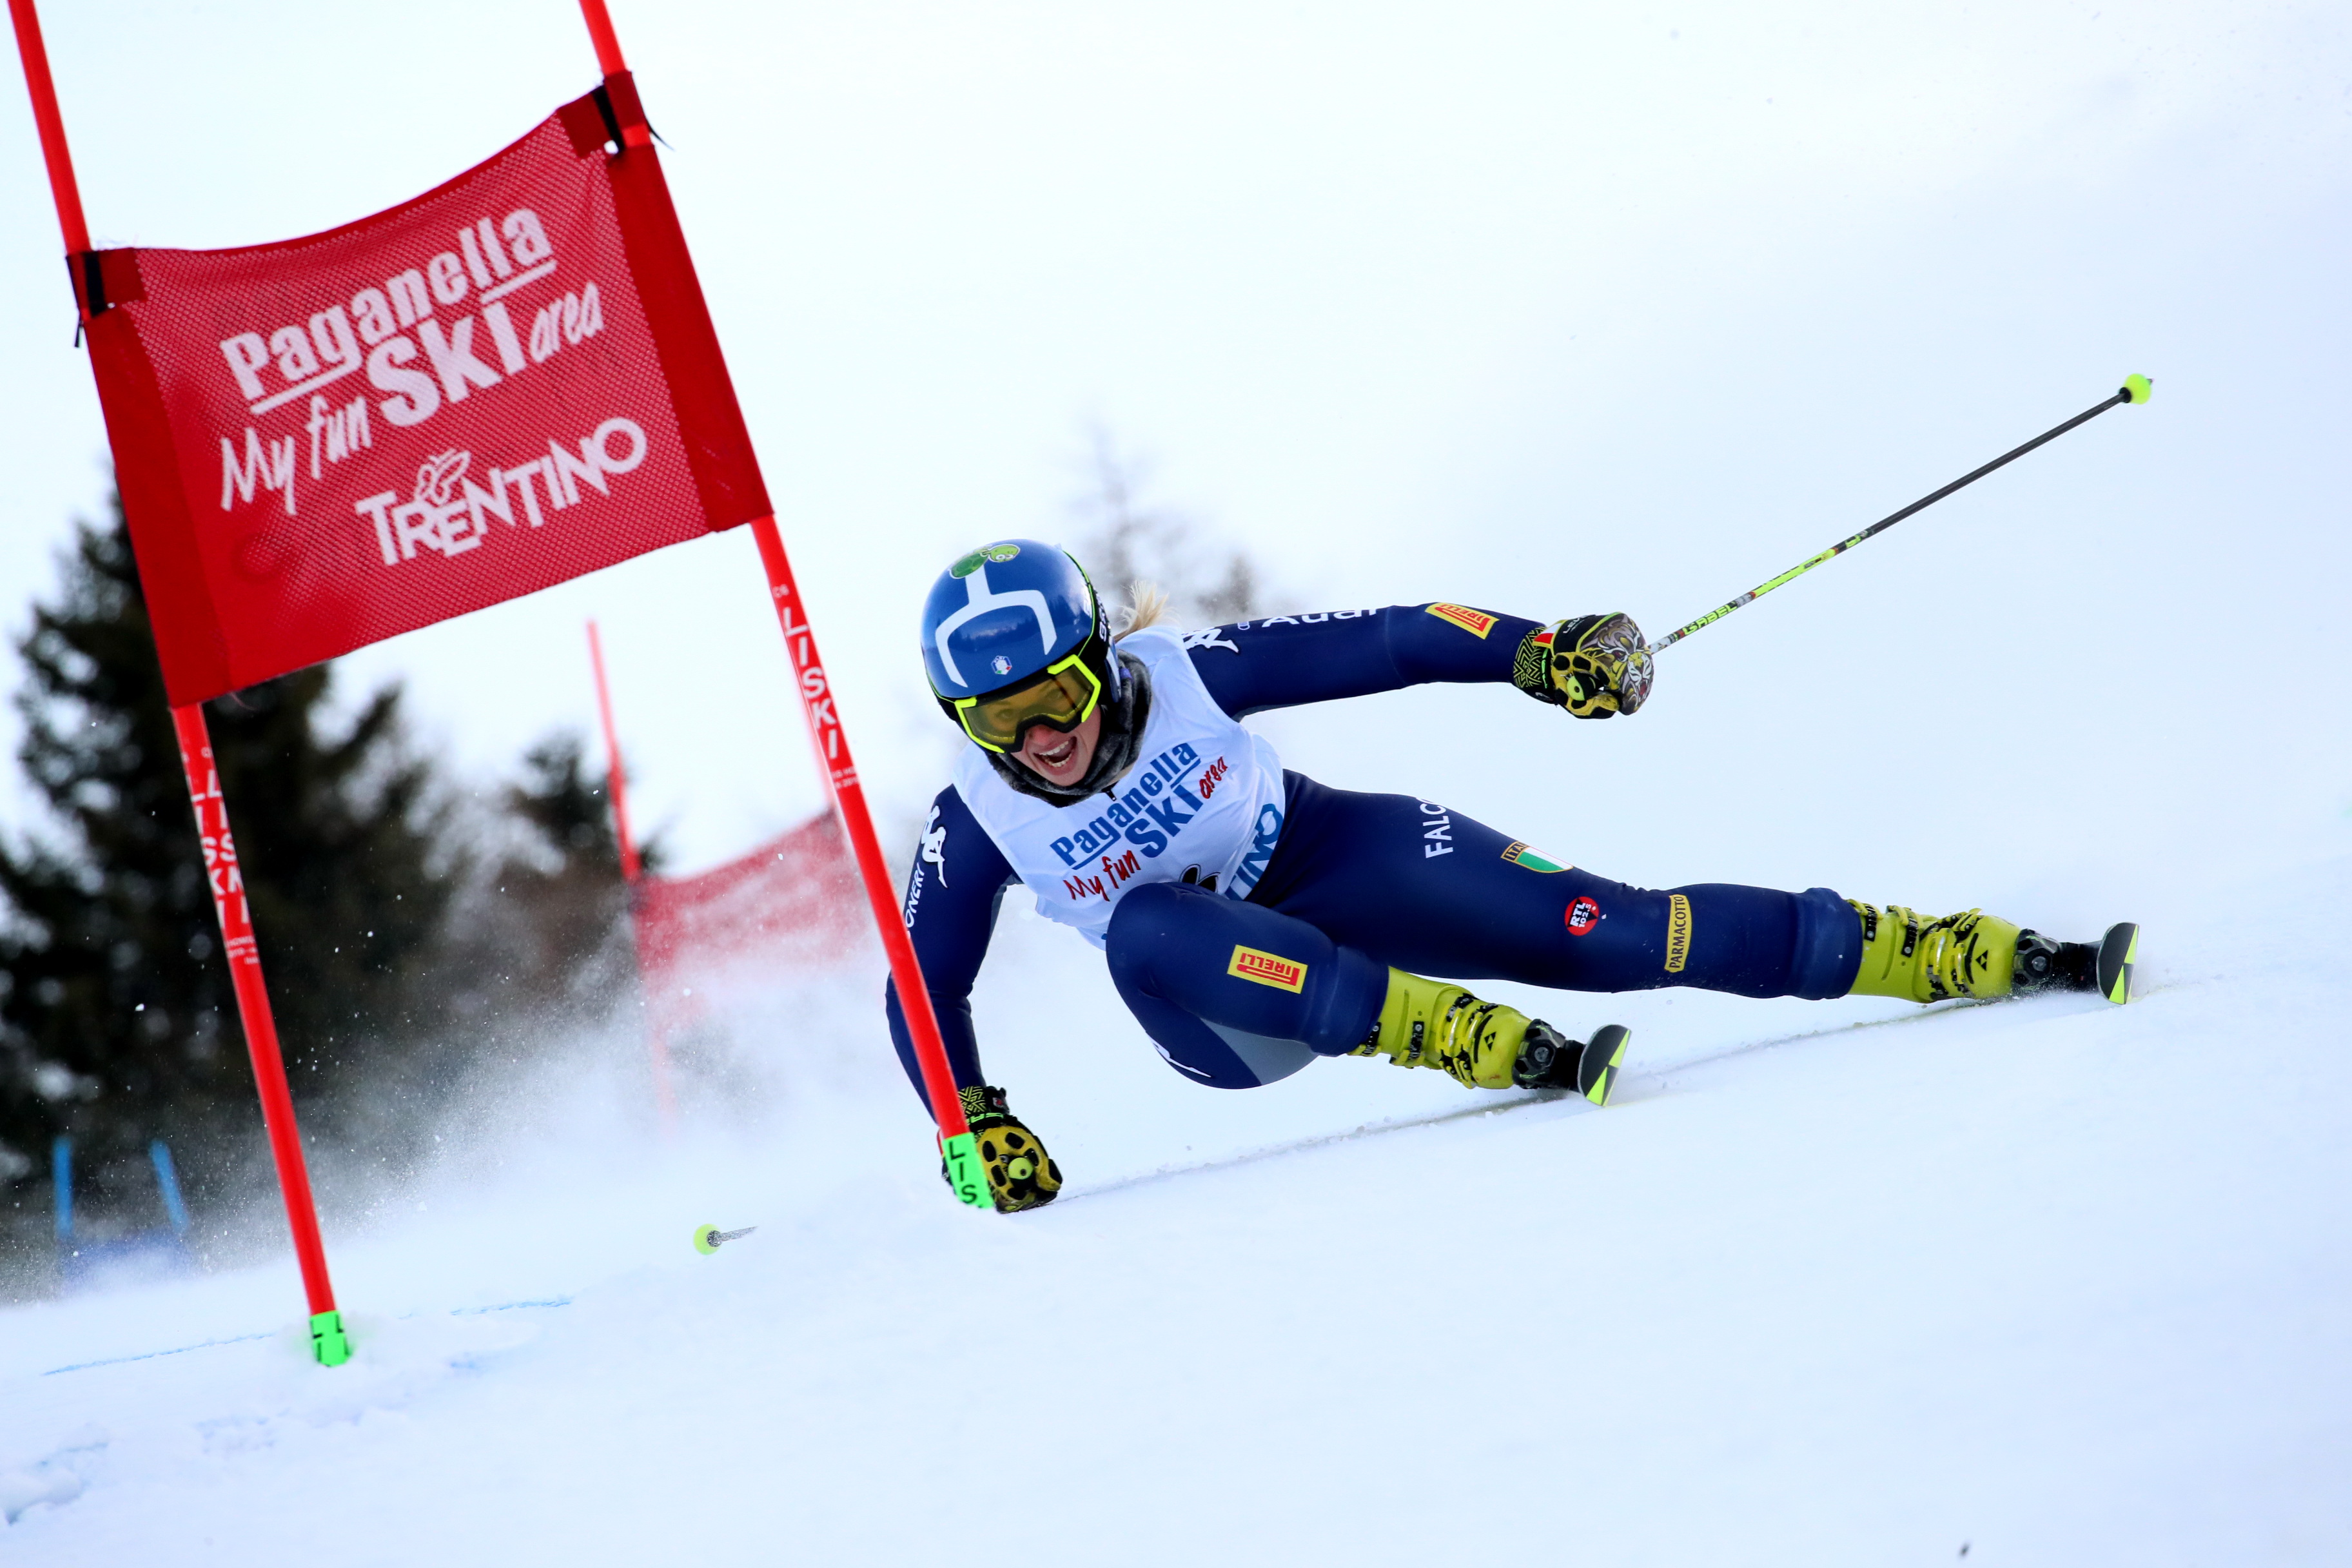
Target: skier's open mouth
(1054,756)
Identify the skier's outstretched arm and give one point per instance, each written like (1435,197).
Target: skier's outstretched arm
(1592,665)
(952,893)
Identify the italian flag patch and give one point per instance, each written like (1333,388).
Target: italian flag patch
(1520,854)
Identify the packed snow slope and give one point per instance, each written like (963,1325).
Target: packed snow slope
(1549,309)
(2054,1281)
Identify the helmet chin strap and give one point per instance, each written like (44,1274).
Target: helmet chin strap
(1124,716)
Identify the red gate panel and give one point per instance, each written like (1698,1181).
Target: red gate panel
(791,903)
(504,383)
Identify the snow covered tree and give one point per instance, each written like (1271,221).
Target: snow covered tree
(570,810)
(117,1023)
(548,925)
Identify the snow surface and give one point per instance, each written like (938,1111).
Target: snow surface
(1546,309)
(2053,1281)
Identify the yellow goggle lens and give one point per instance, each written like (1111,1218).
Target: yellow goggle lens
(1060,697)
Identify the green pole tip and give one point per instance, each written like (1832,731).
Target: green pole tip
(705,1240)
(328,1341)
(2136,388)
(967,1176)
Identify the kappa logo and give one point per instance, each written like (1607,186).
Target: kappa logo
(1519,854)
(1583,917)
(1678,932)
(1268,969)
(1210,637)
(935,845)
(1479,623)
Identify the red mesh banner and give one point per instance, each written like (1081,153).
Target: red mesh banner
(793,902)
(508,382)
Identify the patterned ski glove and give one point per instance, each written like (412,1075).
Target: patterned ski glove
(1592,665)
(1021,1175)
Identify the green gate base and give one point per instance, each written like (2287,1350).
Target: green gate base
(327,1339)
(966,1174)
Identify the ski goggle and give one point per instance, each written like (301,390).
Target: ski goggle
(1061,698)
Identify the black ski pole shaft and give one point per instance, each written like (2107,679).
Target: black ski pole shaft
(2135,390)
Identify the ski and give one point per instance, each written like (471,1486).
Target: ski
(2118,952)
(1549,1060)
(1596,1069)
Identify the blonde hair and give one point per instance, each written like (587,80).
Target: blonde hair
(1147,606)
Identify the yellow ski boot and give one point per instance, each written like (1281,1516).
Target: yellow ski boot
(1485,1045)
(1971,955)
(1982,956)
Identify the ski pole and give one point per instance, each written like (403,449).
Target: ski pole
(2133,390)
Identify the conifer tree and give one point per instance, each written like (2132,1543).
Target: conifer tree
(117,1023)
(551,917)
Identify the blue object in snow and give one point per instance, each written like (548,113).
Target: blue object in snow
(167,1178)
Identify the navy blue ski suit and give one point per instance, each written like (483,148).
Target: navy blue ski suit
(1360,882)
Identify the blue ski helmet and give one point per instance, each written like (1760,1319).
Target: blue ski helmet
(1017,619)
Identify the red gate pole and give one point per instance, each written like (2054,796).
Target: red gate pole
(629,865)
(656,1016)
(327,1339)
(956,1142)
(965,1175)
(52,127)
(244,956)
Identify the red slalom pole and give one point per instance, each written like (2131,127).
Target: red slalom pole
(244,958)
(964,1171)
(632,868)
(327,1342)
(965,1174)
(52,126)
(629,865)
(601,34)
(609,61)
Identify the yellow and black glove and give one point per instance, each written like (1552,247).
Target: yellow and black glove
(1021,1175)
(1592,665)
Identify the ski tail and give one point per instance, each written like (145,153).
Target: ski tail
(2118,953)
(1596,1070)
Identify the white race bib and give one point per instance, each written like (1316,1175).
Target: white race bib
(1202,802)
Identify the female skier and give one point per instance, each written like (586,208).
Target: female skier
(1255,920)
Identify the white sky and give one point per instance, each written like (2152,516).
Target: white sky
(1547,308)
